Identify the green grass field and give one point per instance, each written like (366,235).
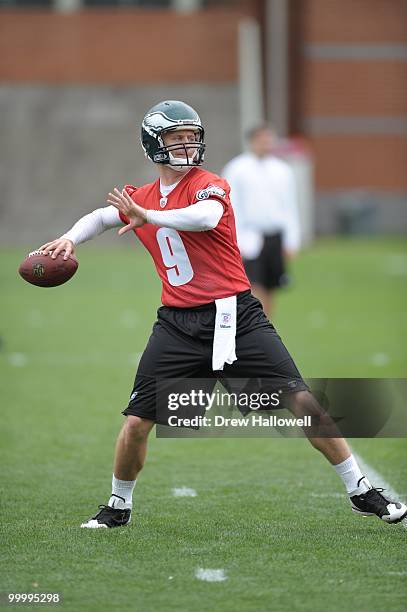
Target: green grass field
(270,512)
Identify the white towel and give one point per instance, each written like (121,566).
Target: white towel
(224,337)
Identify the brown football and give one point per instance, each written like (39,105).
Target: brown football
(41,270)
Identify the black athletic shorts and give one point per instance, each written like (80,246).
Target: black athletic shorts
(268,269)
(180,347)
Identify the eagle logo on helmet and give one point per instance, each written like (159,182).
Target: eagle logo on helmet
(166,116)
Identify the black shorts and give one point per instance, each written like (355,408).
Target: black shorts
(180,347)
(268,269)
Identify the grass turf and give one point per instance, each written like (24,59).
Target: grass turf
(269,512)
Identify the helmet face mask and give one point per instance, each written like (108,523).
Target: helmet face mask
(169,116)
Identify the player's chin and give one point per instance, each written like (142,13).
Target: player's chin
(183,168)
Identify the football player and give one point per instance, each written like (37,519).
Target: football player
(210,325)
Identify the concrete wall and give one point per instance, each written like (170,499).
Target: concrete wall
(64,148)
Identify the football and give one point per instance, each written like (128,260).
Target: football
(38,268)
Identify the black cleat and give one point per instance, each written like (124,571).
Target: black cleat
(109,517)
(373,502)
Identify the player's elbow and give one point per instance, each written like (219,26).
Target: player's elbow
(208,224)
(210,218)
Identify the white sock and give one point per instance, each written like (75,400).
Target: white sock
(353,479)
(122,493)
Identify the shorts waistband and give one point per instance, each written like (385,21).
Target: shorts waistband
(208,306)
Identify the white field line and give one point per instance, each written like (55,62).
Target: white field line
(325,495)
(184,492)
(210,575)
(18,360)
(378,481)
(61,359)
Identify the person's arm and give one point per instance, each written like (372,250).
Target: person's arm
(93,224)
(199,217)
(86,228)
(233,176)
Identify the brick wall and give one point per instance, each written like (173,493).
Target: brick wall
(374,162)
(118,46)
(352,66)
(364,88)
(360,21)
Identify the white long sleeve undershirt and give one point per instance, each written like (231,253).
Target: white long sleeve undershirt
(199,217)
(93,224)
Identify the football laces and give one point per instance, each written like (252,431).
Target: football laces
(37,253)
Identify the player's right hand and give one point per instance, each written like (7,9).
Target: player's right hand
(57,246)
(125,204)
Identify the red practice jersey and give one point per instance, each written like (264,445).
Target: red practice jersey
(195,267)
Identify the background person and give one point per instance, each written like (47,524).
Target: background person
(264,199)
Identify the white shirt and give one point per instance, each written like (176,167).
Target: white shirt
(165,190)
(264,199)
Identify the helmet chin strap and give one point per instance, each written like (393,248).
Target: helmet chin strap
(180,167)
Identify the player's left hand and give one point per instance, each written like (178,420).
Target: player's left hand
(124,204)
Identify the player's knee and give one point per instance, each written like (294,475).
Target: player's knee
(137,428)
(304,403)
